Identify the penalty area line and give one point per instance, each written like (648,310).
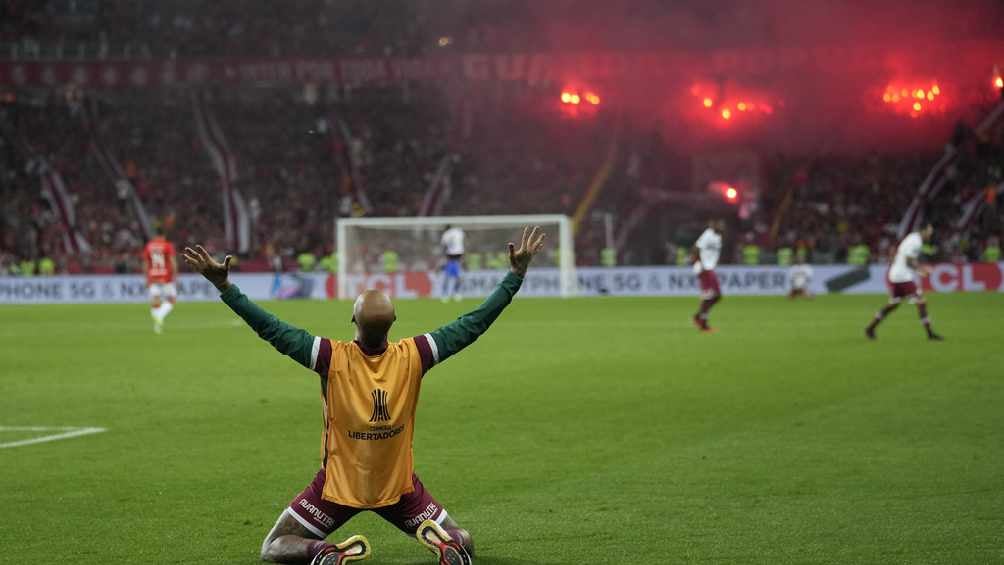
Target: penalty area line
(65,433)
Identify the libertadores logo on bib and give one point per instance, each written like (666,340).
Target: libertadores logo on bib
(380,413)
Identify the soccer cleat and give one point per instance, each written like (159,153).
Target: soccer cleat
(698,322)
(437,540)
(870,333)
(935,337)
(356,548)
(158,327)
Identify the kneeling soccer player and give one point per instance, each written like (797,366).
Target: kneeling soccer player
(903,284)
(369,392)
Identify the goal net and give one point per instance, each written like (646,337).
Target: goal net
(403,256)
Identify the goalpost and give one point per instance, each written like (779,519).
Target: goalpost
(361,243)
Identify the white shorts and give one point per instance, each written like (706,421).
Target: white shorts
(166,290)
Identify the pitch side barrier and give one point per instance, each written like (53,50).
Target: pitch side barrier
(540,282)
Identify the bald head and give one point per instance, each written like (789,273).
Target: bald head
(373,315)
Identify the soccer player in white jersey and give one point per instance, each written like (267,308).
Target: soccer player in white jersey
(801,277)
(706,253)
(452,243)
(903,282)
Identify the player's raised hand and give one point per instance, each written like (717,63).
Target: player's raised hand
(531,244)
(202,262)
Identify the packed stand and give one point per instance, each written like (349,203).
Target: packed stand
(204,28)
(304,161)
(299,167)
(843,209)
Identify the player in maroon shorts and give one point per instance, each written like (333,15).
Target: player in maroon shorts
(903,282)
(706,252)
(369,390)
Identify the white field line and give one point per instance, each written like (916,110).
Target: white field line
(66,433)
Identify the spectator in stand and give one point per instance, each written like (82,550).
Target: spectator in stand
(991,250)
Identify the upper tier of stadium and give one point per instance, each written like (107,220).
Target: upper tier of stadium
(823,132)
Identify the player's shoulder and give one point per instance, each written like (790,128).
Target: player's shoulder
(408,343)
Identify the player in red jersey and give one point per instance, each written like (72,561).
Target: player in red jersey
(161,266)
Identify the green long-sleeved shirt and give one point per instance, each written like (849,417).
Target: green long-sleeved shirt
(299,344)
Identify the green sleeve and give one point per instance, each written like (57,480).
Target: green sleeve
(288,340)
(465,330)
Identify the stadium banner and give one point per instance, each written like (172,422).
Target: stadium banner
(540,282)
(681,281)
(530,68)
(82,289)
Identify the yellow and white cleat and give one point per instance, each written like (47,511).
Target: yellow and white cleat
(437,540)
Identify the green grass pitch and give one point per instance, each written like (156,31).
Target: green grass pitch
(580,431)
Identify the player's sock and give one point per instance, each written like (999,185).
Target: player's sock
(158,314)
(879,316)
(697,321)
(922,311)
(446,288)
(706,306)
(701,317)
(158,323)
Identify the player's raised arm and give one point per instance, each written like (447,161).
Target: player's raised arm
(285,338)
(453,337)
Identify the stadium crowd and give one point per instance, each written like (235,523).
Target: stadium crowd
(204,28)
(310,28)
(302,161)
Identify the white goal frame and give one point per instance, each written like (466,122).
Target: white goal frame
(566,241)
